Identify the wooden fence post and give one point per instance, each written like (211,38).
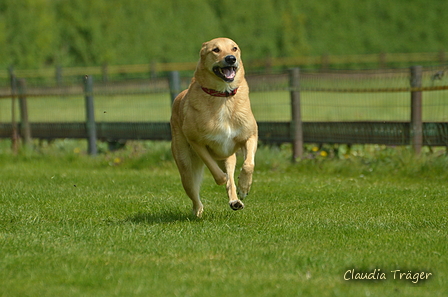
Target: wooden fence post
(14,132)
(90,115)
(416,109)
(174,82)
(25,130)
(296,117)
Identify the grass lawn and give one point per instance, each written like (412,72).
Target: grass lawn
(119,224)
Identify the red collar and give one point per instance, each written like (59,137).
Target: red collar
(218,93)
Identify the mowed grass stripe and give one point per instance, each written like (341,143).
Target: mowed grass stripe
(120,225)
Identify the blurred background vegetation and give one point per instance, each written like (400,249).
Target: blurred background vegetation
(45,33)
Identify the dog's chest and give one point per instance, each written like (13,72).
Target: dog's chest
(223,134)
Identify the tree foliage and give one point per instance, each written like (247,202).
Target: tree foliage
(38,33)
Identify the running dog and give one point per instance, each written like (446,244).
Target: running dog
(211,120)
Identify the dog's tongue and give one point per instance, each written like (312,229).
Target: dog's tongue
(228,72)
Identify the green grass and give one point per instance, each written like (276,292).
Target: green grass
(119,224)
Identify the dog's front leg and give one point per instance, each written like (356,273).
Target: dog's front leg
(245,178)
(234,202)
(219,176)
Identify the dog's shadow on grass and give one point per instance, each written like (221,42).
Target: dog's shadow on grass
(160,217)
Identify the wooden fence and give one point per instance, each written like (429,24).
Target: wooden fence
(381,61)
(413,132)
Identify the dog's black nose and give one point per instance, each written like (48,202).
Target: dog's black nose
(230,59)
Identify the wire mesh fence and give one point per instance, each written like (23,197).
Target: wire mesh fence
(356,95)
(336,106)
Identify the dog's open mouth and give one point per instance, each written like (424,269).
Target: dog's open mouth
(225,73)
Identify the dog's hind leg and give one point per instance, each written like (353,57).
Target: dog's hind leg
(191,169)
(229,166)
(245,178)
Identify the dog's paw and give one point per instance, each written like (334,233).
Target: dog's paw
(236,205)
(198,211)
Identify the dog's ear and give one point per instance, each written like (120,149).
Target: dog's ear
(204,48)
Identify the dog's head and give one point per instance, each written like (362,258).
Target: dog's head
(222,58)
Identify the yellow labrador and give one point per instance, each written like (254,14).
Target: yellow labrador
(211,120)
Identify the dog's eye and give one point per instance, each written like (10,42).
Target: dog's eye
(235,49)
(216,50)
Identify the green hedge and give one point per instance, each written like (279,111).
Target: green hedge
(40,33)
